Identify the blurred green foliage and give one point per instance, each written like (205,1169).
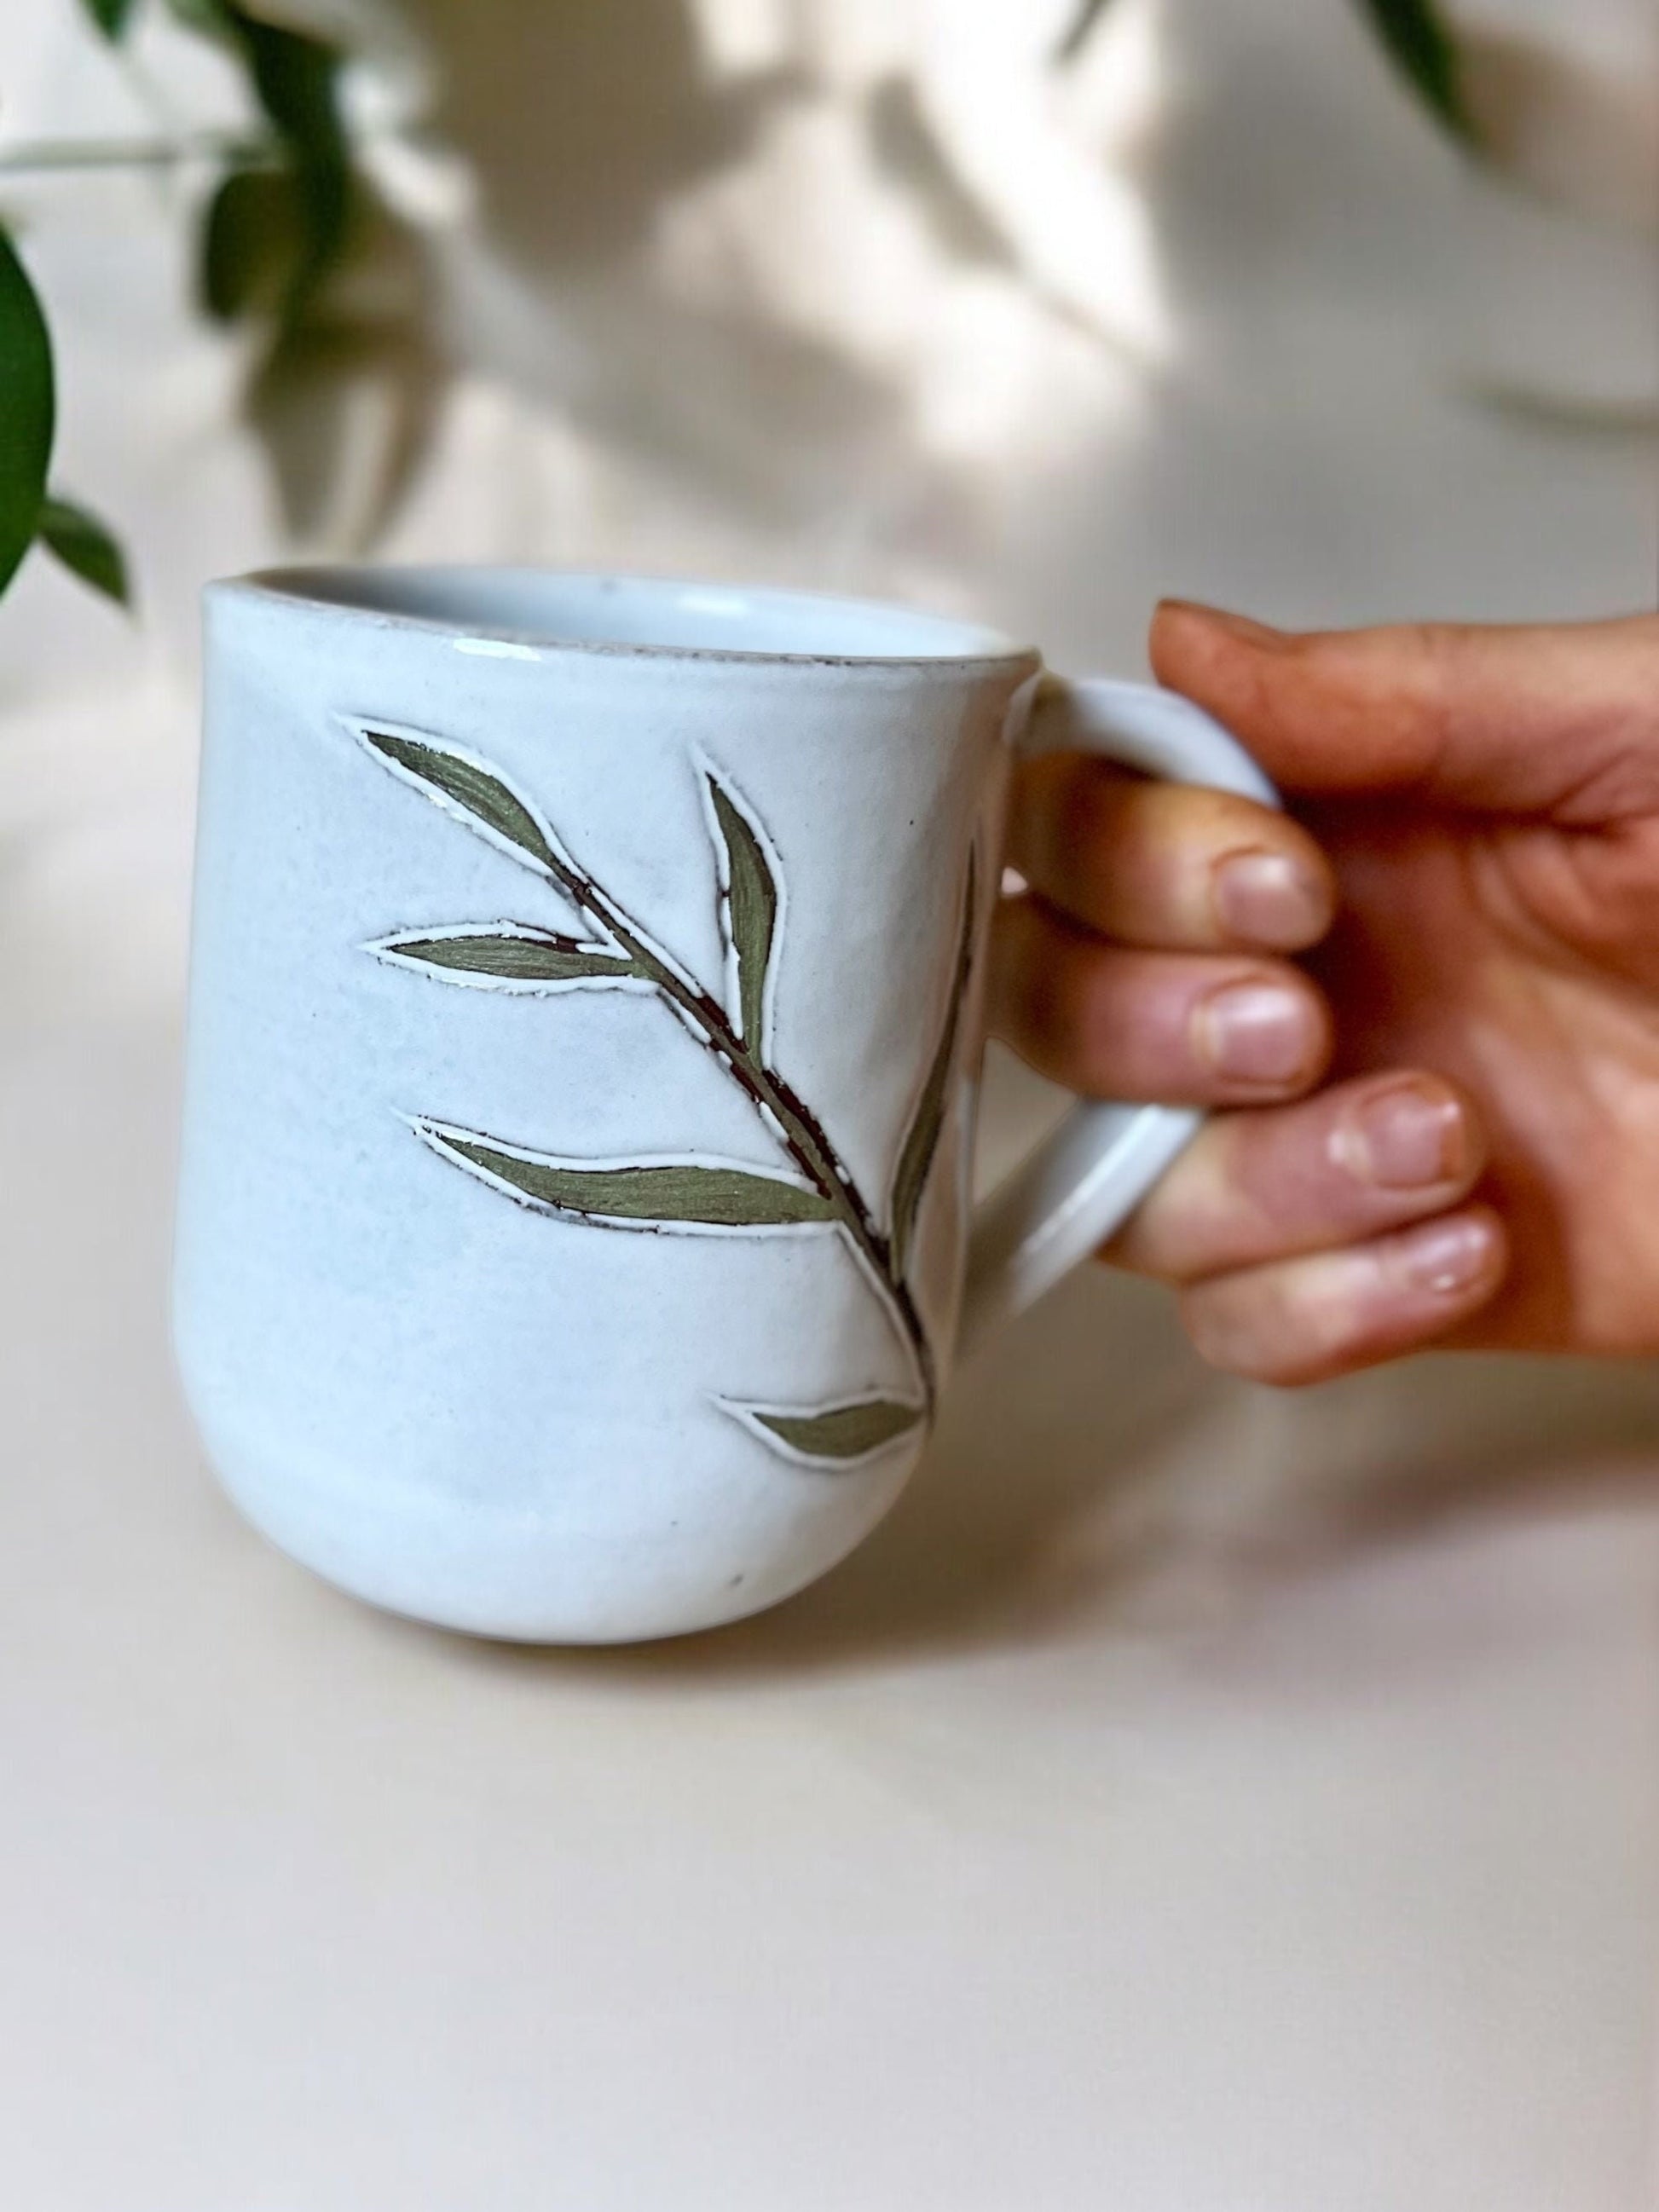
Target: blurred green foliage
(295,248)
(27,410)
(1414,35)
(298,249)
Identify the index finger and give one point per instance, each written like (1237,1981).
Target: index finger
(1168,867)
(1556,718)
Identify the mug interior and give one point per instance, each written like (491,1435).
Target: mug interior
(536,607)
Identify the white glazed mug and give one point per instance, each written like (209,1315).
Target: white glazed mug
(573,1221)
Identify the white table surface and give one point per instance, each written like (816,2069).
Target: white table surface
(1187,1803)
(1192,1801)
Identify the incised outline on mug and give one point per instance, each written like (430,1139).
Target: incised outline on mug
(689,1195)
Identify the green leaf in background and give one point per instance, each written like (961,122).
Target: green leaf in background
(650,1196)
(110,16)
(516,958)
(252,244)
(345,389)
(481,799)
(295,79)
(1422,48)
(832,1436)
(86,548)
(27,411)
(750,910)
(926,1124)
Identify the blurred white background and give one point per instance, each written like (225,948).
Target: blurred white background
(867,294)
(1195,1800)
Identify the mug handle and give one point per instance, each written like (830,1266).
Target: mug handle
(1086,1179)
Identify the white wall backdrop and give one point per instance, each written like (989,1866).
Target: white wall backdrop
(863,295)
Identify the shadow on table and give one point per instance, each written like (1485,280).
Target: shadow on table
(1091,1479)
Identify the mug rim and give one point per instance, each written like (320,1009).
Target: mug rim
(320,588)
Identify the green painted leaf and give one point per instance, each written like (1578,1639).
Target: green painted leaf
(520,957)
(915,1158)
(85,548)
(834,1435)
(110,16)
(749,910)
(462,787)
(654,1195)
(1421,46)
(27,410)
(252,244)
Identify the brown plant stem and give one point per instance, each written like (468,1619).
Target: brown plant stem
(803,1135)
(40,157)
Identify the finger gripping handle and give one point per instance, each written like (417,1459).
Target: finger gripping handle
(1084,1180)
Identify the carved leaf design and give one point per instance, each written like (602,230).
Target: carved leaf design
(922,1140)
(511,957)
(461,787)
(680,1195)
(749,909)
(650,1195)
(830,1435)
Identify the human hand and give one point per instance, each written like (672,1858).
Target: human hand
(1474,851)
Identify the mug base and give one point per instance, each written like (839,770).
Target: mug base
(520,1577)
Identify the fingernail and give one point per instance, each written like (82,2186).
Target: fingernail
(1446,1256)
(1269,898)
(1241,627)
(1406,1139)
(1255,1033)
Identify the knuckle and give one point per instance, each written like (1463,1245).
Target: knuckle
(1103,844)
(1038,989)
(1040,811)
(1047,1016)
(1192,1222)
(1433,660)
(1284,1326)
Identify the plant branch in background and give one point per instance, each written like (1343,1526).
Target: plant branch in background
(293,211)
(298,249)
(50,156)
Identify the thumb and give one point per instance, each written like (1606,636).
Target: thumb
(1560,720)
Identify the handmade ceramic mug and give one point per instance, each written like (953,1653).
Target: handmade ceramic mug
(574,1231)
